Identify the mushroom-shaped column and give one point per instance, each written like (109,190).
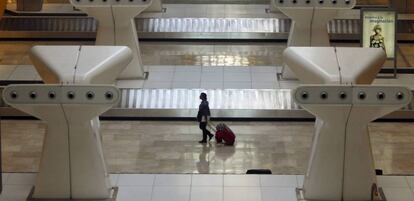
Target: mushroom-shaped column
(117,27)
(80,64)
(72,166)
(310,22)
(67,65)
(335,65)
(341,166)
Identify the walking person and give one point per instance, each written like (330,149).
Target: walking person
(203,117)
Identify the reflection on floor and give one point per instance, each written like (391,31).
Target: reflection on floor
(193,53)
(360,2)
(173,187)
(171,147)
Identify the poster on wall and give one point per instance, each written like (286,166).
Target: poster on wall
(378,30)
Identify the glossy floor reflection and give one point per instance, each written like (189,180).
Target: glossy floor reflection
(171,147)
(193,53)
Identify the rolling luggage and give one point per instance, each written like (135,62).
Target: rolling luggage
(225,134)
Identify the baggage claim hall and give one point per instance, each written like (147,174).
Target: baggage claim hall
(207,100)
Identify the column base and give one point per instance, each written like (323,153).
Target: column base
(300,197)
(112,198)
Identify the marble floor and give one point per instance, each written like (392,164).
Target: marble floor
(193,53)
(171,147)
(201,187)
(360,2)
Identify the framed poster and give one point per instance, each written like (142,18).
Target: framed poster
(378,30)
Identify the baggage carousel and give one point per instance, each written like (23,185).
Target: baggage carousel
(84,28)
(198,22)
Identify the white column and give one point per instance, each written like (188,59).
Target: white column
(341,166)
(72,164)
(116,26)
(309,22)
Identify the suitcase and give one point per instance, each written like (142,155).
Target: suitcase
(225,134)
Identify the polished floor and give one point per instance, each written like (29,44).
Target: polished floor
(361,2)
(171,147)
(192,53)
(191,187)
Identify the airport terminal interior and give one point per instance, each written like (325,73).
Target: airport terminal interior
(308,100)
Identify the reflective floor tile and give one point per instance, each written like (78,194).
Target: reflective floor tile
(136,179)
(392,181)
(241,180)
(15,192)
(163,76)
(6,71)
(237,77)
(265,85)
(264,69)
(21,179)
(4,177)
(264,77)
(172,180)
(237,85)
(278,194)
(207,180)
(410,180)
(399,194)
(134,193)
(211,85)
(24,72)
(157,85)
(242,194)
(187,76)
(212,77)
(114,179)
(188,68)
(185,85)
(236,69)
(161,68)
(300,179)
(130,83)
(278,180)
(206,194)
(171,193)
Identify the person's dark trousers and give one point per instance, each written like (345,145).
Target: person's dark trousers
(203,127)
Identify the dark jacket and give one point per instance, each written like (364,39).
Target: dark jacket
(203,110)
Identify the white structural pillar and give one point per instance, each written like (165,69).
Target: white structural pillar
(67,66)
(72,165)
(333,173)
(335,65)
(309,22)
(116,26)
(341,167)
(80,64)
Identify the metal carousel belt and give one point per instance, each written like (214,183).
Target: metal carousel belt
(81,27)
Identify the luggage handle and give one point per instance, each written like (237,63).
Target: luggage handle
(211,125)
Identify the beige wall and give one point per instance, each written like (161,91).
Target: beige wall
(410,6)
(404,6)
(2,7)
